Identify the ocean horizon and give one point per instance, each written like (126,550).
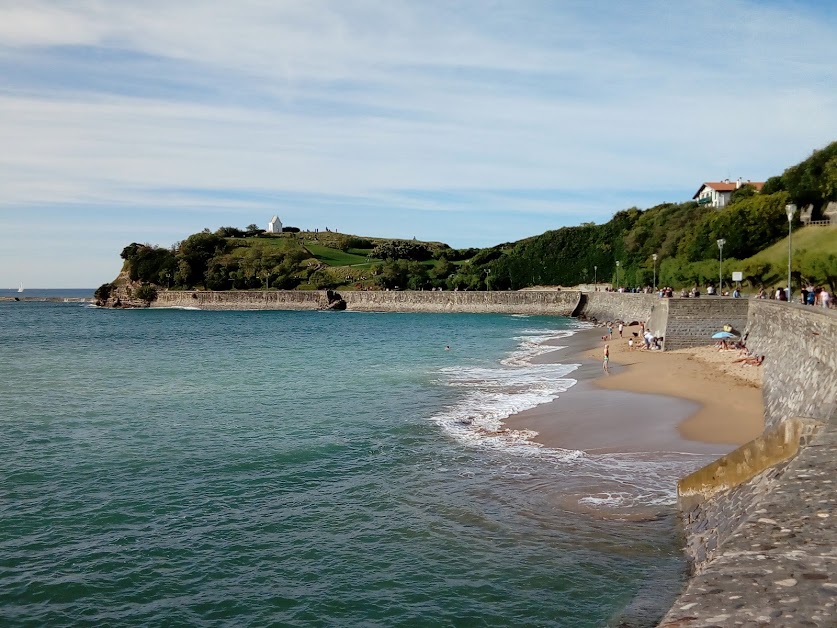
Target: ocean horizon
(173,466)
(67,293)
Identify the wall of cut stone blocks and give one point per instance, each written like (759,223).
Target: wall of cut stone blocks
(800,366)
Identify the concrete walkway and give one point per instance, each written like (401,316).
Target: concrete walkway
(779,568)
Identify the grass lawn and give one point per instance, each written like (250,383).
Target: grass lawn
(819,239)
(336,257)
(811,239)
(282,244)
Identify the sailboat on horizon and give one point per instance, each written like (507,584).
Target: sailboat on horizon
(20,288)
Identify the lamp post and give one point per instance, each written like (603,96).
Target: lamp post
(654,257)
(721,244)
(617,275)
(790,210)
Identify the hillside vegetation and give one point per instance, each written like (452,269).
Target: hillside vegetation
(683,235)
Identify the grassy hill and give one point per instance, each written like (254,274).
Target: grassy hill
(675,241)
(813,259)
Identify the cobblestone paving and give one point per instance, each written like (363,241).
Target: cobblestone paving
(779,568)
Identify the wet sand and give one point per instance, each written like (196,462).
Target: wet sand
(652,401)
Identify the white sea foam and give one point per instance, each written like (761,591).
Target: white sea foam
(496,393)
(492,394)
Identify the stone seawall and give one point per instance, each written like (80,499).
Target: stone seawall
(800,367)
(691,322)
(769,546)
(244,300)
(609,306)
(716,499)
(758,522)
(549,303)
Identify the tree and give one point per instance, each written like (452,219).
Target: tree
(230,232)
(402,249)
(197,250)
(820,268)
(745,191)
(102,293)
(441,271)
(146,292)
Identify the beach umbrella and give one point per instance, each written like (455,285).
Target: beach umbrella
(722,334)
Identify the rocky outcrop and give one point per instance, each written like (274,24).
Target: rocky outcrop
(335,301)
(122,294)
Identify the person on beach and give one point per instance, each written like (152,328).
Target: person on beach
(621,327)
(630,344)
(610,330)
(606,359)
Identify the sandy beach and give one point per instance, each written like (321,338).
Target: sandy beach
(691,400)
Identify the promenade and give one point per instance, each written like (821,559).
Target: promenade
(779,568)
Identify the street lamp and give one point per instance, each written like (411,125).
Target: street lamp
(654,257)
(790,210)
(721,244)
(617,275)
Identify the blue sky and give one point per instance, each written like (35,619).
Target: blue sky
(472,122)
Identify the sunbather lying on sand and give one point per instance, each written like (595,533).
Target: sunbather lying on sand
(751,361)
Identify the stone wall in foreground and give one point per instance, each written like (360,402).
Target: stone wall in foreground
(757,521)
(549,303)
(800,367)
(717,498)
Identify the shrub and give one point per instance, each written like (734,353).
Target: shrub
(146,292)
(103,292)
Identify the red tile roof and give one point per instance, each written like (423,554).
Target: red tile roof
(724,186)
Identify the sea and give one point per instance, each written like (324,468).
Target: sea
(205,468)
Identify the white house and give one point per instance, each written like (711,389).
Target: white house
(718,193)
(275,225)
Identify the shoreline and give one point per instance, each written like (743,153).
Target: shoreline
(652,401)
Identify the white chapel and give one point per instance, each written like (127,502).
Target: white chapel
(275,225)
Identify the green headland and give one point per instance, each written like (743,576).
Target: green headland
(683,236)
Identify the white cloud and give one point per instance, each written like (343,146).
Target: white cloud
(220,105)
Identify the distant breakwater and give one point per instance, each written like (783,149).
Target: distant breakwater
(533,303)
(679,322)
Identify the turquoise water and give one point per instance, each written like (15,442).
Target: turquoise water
(173,467)
(52,293)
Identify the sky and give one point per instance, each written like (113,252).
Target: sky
(472,122)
